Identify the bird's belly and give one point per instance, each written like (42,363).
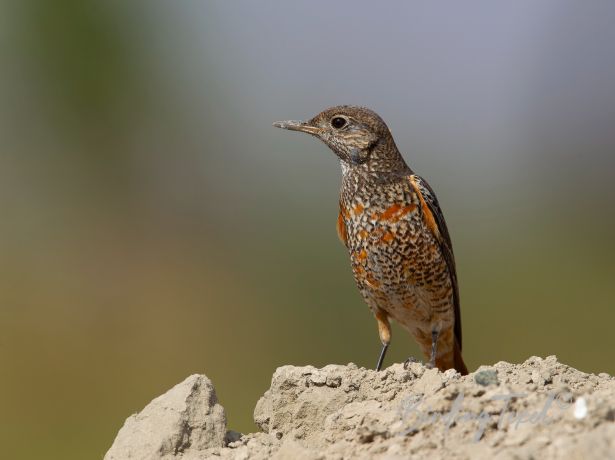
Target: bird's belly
(400,269)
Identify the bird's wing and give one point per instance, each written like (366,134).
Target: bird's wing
(341,228)
(435,221)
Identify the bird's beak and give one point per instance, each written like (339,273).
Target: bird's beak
(297,126)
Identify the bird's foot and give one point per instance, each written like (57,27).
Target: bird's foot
(409,361)
(412,359)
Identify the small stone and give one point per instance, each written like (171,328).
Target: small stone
(318,378)
(232,437)
(487,376)
(580,408)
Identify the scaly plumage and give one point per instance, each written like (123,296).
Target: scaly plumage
(393,227)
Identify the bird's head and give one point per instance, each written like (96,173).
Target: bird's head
(357,135)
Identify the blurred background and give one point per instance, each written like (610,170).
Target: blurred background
(155,225)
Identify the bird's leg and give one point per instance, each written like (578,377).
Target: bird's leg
(384,330)
(383,352)
(435,333)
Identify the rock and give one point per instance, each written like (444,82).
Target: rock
(486,376)
(516,411)
(187,416)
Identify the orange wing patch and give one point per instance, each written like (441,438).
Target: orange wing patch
(390,211)
(428,217)
(341,229)
(396,211)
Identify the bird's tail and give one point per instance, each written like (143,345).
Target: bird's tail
(460,366)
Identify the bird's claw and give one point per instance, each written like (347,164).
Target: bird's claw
(429,364)
(409,361)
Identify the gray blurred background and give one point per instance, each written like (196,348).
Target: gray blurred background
(154,224)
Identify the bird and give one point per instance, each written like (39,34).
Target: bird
(392,225)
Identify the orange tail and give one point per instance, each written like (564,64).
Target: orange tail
(460,366)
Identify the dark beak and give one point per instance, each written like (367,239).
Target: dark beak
(297,126)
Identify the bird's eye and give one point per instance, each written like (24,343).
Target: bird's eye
(338,122)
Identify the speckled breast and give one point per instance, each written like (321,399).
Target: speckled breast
(396,260)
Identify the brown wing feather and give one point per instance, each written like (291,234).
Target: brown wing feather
(341,229)
(429,197)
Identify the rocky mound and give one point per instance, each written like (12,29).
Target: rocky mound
(538,409)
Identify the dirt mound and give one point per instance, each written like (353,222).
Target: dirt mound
(540,408)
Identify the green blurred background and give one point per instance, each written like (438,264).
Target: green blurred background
(155,225)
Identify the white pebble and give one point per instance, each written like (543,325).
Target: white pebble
(580,409)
